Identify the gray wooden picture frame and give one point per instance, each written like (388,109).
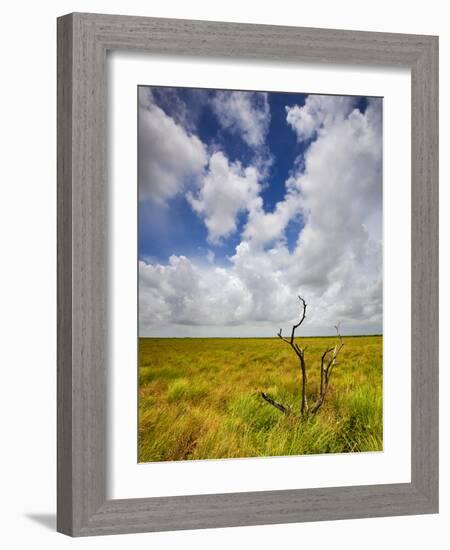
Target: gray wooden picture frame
(83,41)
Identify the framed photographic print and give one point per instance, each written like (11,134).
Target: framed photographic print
(247,274)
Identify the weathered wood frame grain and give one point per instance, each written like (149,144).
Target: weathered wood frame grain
(83,41)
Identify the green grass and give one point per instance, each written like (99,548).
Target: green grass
(201,398)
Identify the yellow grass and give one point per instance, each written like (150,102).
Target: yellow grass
(201,398)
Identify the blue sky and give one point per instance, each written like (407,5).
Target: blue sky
(247,199)
(186,234)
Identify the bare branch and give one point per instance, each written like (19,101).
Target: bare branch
(300,351)
(341,343)
(325,371)
(337,349)
(304,408)
(283,338)
(278,406)
(326,352)
(295,327)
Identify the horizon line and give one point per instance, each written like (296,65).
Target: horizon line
(255,337)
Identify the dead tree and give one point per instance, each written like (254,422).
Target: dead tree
(327,363)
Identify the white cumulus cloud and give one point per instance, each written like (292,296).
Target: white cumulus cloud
(338,254)
(226,190)
(168,155)
(268,227)
(244,113)
(319,111)
(185,294)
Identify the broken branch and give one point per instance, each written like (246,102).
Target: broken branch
(278,406)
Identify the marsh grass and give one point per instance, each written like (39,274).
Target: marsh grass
(200,398)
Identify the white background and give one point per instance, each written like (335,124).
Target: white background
(127,479)
(28,300)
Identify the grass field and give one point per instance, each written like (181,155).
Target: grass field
(201,398)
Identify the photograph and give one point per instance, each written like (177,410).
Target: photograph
(260,273)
